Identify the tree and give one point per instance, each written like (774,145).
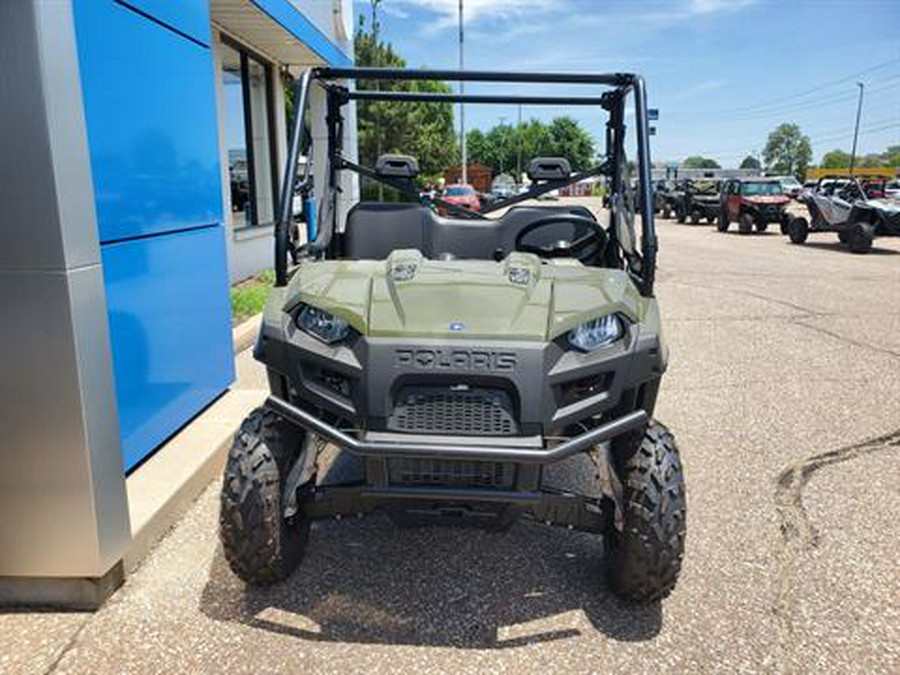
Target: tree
(835,159)
(423,129)
(569,140)
(891,156)
(698,162)
(750,162)
(499,147)
(787,151)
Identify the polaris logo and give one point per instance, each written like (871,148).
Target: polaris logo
(455,359)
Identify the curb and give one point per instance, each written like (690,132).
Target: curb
(244,334)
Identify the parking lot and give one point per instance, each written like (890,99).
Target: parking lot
(784,393)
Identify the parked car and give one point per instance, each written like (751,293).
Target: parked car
(845,208)
(753,202)
(460,194)
(790,186)
(892,189)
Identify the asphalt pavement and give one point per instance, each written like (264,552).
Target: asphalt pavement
(784,393)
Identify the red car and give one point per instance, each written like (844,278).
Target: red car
(461,194)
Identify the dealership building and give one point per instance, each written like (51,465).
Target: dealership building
(143,145)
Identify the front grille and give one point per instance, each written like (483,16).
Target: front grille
(450,473)
(446,410)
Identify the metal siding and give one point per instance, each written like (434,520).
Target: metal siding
(151,121)
(287,15)
(190,17)
(169,317)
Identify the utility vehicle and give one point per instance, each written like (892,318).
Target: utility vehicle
(845,208)
(753,202)
(699,199)
(457,357)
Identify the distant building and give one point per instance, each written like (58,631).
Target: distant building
(478,175)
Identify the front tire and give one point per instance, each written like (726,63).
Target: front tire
(666,212)
(745,223)
(644,559)
(861,237)
(261,546)
(696,216)
(722,223)
(798,230)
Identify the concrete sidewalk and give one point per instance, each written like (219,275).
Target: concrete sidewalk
(783,359)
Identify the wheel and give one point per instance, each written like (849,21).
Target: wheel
(696,216)
(722,223)
(783,223)
(710,219)
(261,546)
(680,215)
(761,226)
(745,223)
(861,236)
(644,559)
(666,212)
(798,230)
(844,236)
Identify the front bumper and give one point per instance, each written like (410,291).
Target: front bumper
(527,389)
(412,446)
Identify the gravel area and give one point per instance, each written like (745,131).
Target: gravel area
(784,361)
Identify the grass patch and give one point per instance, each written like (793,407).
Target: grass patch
(248,297)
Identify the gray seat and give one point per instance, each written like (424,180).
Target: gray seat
(374,229)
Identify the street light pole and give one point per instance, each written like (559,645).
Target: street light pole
(462,106)
(519,147)
(856,130)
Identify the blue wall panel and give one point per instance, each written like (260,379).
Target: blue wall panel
(169,317)
(151,119)
(190,17)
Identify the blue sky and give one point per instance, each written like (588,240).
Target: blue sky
(723,73)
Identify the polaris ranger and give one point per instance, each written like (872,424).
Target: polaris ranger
(458,356)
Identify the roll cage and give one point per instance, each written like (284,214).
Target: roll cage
(641,264)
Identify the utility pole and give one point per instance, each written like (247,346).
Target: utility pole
(856,130)
(519,147)
(462,106)
(376,55)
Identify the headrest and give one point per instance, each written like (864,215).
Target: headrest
(549,168)
(397,166)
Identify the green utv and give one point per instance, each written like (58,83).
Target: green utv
(457,357)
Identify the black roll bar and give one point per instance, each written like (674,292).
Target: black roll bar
(623,82)
(285,212)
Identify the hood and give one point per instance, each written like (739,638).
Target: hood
(768,199)
(889,205)
(517,298)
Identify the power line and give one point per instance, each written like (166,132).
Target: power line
(820,87)
(813,103)
(874,127)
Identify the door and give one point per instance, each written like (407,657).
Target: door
(733,200)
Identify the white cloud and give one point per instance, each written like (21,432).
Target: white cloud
(473,10)
(710,6)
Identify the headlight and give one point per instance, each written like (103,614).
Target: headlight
(318,323)
(597,333)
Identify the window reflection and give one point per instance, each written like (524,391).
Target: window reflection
(246,82)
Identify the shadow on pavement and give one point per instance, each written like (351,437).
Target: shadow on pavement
(367,581)
(841,248)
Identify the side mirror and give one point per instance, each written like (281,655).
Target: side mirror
(548,168)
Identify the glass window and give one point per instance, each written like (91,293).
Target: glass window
(247,85)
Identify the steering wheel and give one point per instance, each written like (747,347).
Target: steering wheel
(583,249)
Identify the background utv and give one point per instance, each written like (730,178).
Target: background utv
(459,356)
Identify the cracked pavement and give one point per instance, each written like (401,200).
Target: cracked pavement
(785,364)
